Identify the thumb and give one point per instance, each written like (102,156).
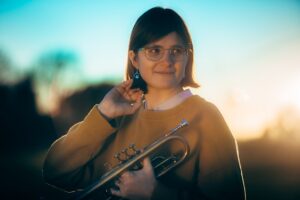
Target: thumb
(147,164)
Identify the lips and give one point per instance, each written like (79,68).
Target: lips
(164,72)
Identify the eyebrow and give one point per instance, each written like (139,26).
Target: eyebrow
(159,46)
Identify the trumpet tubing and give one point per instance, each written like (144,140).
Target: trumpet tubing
(161,163)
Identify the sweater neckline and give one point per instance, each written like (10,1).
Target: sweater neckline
(158,115)
(171,102)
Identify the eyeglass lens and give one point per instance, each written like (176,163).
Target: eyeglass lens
(156,53)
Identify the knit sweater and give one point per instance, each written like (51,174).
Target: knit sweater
(211,170)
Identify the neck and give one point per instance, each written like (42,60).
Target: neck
(155,97)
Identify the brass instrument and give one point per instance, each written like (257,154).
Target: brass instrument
(161,165)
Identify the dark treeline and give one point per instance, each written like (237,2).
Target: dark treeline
(22,127)
(26,135)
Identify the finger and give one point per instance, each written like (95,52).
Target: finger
(135,105)
(128,83)
(147,164)
(118,183)
(132,95)
(136,97)
(116,189)
(128,94)
(135,93)
(116,192)
(132,91)
(122,87)
(125,175)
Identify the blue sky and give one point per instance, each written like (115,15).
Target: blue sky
(247,52)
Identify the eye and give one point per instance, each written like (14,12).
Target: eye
(178,51)
(153,50)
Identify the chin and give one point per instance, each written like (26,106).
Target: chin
(165,85)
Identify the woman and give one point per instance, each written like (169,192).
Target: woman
(160,57)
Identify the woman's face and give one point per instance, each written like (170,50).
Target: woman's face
(166,72)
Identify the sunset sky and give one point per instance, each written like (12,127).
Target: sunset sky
(247,53)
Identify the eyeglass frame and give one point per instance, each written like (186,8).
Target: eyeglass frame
(186,53)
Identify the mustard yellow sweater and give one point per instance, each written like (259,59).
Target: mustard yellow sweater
(211,171)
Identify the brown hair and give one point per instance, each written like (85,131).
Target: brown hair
(155,24)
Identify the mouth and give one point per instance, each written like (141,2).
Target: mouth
(165,72)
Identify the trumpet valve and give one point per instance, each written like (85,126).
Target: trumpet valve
(125,152)
(107,166)
(119,157)
(133,149)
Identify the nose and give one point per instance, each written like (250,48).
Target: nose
(167,57)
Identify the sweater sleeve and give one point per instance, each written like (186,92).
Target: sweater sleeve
(66,163)
(220,175)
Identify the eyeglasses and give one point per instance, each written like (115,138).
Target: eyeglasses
(156,53)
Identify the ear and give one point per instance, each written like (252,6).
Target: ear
(133,59)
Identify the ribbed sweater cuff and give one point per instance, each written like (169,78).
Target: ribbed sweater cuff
(96,124)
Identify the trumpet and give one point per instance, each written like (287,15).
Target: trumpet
(161,165)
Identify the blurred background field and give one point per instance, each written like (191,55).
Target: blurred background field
(59,58)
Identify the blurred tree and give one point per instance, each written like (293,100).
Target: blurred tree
(55,73)
(8,73)
(285,126)
(22,127)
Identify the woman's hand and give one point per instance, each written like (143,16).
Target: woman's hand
(136,185)
(121,100)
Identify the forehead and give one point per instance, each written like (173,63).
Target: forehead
(172,39)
